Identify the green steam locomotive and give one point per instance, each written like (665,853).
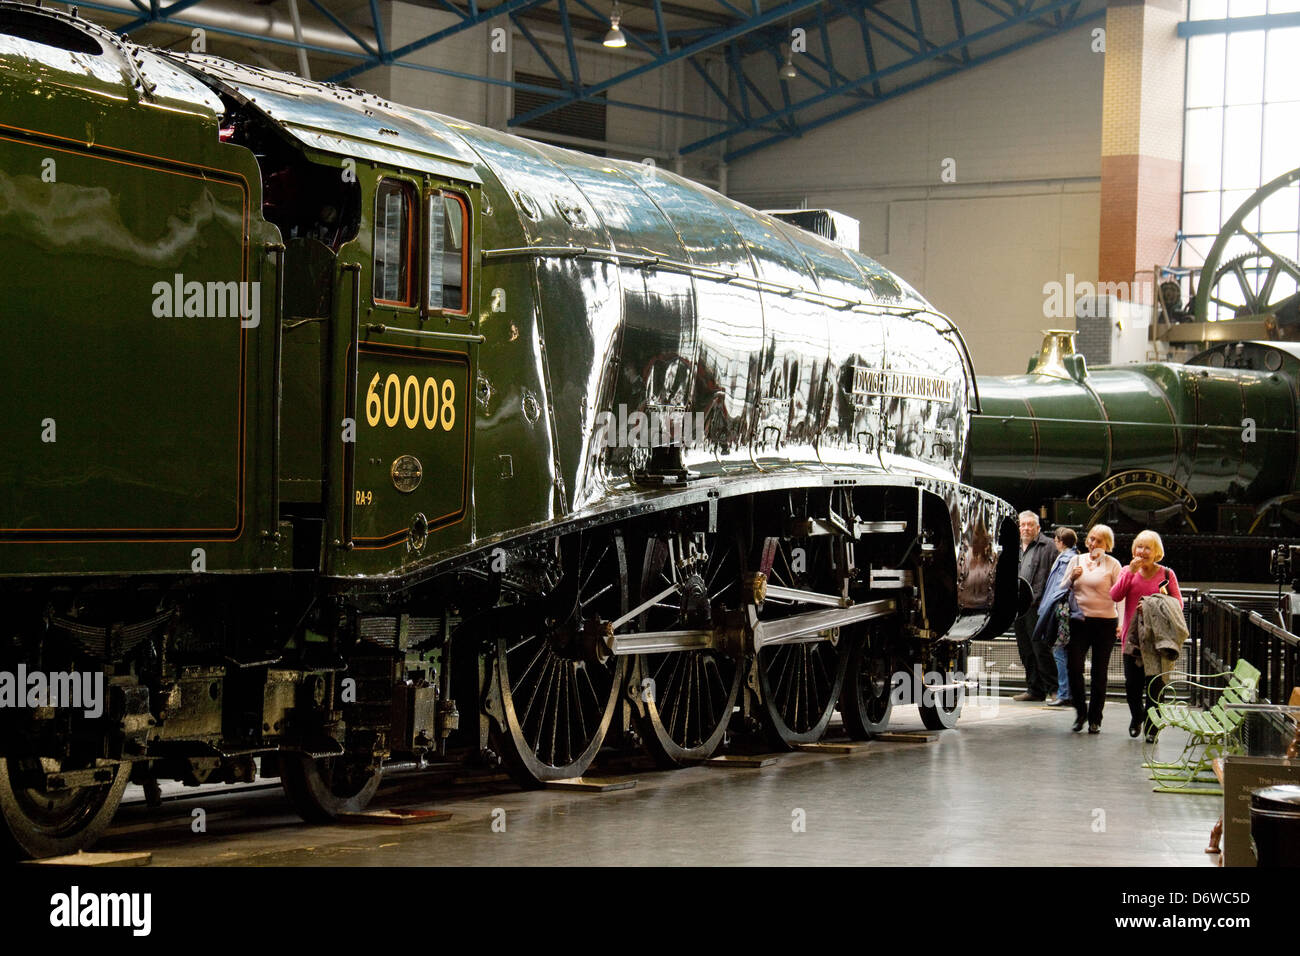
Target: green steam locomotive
(343,435)
(1204,451)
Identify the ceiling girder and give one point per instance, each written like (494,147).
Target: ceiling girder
(753,43)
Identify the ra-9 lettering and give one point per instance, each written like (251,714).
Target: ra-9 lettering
(432,402)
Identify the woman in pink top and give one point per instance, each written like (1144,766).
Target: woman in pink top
(1143,577)
(1092,574)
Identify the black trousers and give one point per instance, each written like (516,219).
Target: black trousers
(1036,656)
(1140,697)
(1098,635)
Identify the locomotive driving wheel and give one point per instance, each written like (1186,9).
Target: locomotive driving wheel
(799,683)
(687,698)
(556,696)
(867,700)
(322,788)
(43,823)
(946,667)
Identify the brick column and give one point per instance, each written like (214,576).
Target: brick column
(1142,137)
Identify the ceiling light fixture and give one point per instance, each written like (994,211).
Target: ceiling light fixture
(788,72)
(614,39)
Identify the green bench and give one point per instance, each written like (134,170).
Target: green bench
(1211,733)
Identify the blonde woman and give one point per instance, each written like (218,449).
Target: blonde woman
(1144,576)
(1092,575)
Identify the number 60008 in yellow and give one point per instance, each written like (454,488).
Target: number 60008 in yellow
(411,402)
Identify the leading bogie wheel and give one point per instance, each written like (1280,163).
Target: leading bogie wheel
(43,823)
(940,708)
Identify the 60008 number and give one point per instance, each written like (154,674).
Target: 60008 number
(411,402)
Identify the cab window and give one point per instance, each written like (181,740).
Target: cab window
(394,203)
(448,266)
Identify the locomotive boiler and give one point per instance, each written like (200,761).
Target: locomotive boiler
(342,433)
(1204,451)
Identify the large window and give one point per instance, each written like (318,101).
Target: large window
(394,201)
(448,268)
(1242,130)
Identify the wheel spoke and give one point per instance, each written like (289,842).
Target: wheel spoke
(606,589)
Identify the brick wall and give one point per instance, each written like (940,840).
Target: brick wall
(1142,128)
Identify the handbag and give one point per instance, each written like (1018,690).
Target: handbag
(1063,622)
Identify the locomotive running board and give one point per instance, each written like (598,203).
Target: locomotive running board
(796,629)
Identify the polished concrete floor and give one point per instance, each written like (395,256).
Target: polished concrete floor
(1011,786)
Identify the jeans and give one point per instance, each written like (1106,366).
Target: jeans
(1098,635)
(1038,682)
(1140,697)
(1062,673)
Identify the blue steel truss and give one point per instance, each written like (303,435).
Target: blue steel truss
(904,45)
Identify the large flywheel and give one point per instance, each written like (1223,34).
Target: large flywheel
(556,696)
(686,699)
(1243,277)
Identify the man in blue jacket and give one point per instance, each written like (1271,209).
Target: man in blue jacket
(1036,557)
(1065,548)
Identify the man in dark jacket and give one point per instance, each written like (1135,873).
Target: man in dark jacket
(1036,556)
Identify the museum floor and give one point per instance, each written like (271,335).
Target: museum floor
(1011,786)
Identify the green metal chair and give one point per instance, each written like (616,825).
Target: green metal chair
(1211,733)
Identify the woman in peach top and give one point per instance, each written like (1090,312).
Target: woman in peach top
(1091,575)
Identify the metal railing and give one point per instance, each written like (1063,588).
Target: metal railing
(1237,629)
(1237,626)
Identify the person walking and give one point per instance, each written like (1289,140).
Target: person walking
(1143,577)
(1092,575)
(1036,555)
(1066,540)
